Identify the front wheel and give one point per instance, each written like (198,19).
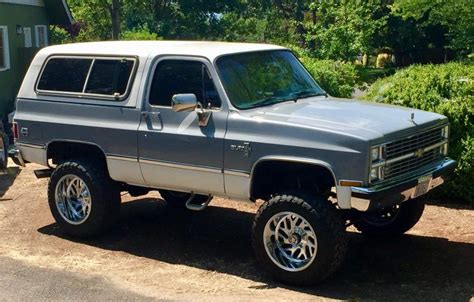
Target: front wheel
(391,222)
(300,241)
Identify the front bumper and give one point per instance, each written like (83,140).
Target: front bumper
(385,195)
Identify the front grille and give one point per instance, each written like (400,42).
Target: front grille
(409,145)
(411,164)
(412,143)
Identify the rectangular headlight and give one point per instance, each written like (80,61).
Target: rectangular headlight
(377,157)
(375,154)
(445,131)
(377,173)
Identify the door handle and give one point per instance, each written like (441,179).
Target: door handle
(24,131)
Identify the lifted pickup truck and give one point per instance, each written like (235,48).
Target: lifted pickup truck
(245,121)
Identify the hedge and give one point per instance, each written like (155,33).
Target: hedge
(336,78)
(447,89)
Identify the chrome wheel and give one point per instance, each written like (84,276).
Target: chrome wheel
(73,199)
(290,241)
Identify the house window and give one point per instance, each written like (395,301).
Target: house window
(27,36)
(4,49)
(41,33)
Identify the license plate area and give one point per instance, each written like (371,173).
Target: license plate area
(424,185)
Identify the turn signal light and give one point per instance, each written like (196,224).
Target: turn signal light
(350,183)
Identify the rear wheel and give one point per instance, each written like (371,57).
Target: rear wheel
(391,222)
(299,240)
(3,151)
(83,199)
(178,200)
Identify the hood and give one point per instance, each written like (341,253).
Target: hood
(366,120)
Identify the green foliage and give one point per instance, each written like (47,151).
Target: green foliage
(456,16)
(342,30)
(237,28)
(336,78)
(142,33)
(95,17)
(413,30)
(446,89)
(59,35)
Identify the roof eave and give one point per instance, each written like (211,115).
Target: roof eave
(59,12)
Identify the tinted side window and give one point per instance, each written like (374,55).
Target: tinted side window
(65,74)
(109,76)
(175,77)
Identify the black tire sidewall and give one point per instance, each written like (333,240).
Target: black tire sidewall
(4,161)
(408,215)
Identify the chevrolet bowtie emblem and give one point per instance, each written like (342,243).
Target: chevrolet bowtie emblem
(419,153)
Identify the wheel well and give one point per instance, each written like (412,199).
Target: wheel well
(270,177)
(61,151)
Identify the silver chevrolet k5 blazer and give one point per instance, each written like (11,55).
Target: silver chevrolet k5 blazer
(244,121)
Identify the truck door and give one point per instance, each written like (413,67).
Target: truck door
(176,153)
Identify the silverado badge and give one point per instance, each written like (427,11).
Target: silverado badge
(245,147)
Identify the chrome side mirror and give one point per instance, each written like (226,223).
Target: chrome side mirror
(184,102)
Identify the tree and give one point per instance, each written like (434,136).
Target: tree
(455,17)
(343,30)
(114,9)
(100,18)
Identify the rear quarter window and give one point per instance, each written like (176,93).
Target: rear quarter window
(94,77)
(109,77)
(64,74)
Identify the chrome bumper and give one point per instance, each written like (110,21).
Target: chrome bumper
(385,195)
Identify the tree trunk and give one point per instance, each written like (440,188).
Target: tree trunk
(115,15)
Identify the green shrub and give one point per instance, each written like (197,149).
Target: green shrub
(141,33)
(337,78)
(447,89)
(59,35)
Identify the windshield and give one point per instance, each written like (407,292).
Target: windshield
(265,78)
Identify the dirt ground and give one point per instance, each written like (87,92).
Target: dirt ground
(155,253)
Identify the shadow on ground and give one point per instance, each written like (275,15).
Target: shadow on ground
(450,204)
(218,239)
(7,177)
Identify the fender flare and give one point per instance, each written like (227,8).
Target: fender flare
(343,193)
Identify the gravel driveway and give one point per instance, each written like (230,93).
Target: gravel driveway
(157,253)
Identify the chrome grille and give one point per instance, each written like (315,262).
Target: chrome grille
(413,143)
(402,148)
(411,164)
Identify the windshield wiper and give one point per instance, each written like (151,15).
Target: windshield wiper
(270,101)
(306,94)
(293,97)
